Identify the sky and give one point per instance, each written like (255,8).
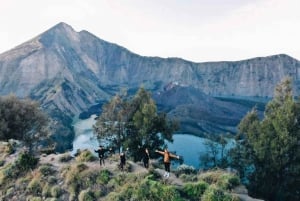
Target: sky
(195,30)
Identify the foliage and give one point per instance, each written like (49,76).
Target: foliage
(185,169)
(56,191)
(86,156)
(134,123)
(66,157)
(46,169)
(216,154)
(26,161)
(86,195)
(34,187)
(22,120)
(222,179)
(103,177)
(195,190)
(213,193)
(270,147)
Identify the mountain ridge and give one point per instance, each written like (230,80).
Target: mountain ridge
(68,72)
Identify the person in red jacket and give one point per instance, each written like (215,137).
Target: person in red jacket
(167,160)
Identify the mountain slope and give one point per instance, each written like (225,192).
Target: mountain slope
(69,71)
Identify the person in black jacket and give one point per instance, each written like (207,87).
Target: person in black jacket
(122,160)
(101,151)
(146,158)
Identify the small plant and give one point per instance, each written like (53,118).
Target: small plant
(2,162)
(26,161)
(65,158)
(51,179)
(103,177)
(228,181)
(188,177)
(86,195)
(185,169)
(46,169)
(34,199)
(195,190)
(213,193)
(86,156)
(56,191)
(34,187)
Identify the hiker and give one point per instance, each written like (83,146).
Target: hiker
(122,160)
(101,151)
(146,158)
(167,160)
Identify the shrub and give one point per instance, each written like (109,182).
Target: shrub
(51,199)
(103,177)
(85,156)
(195,190)
(56,191)
(34,199)
(46,192)
(46,169)
(65,158)
(2,162)
(86,195)
(223,179)
(26,161)
(188,177)
(185,169)
(213,193)
(228,181)
(34,187)
(51,179)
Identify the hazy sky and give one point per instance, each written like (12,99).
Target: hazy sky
(196,30)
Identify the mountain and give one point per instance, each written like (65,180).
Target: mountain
(69,72)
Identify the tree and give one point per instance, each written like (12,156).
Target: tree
(272,147)
(137,121)
(22,120)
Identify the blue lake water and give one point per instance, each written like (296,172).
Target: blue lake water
(188,146)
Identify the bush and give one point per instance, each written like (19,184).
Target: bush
(195,190)
(221,178)
(46,192)
(26,161)
(185,169)
(86,195)
(51,179)
(103,177)
(213,193)
(2,162)
(34,187)
(65,158)
(228,181)
(86,156)
(188,177)
(46,169)
(56,191)
(34,199)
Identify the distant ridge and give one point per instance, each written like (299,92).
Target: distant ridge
(69,72)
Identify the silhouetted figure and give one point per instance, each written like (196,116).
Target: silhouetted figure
(122,161)
(167,160)
(146,158)
(101,151)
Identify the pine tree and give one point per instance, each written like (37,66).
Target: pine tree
(271,146)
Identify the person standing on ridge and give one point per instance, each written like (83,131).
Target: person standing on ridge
(122,160)
(146,158)
(167,160)
(101,151)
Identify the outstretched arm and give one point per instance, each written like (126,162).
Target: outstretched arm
(160,152)
(174,156)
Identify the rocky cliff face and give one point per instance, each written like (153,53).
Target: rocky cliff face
(70,71)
